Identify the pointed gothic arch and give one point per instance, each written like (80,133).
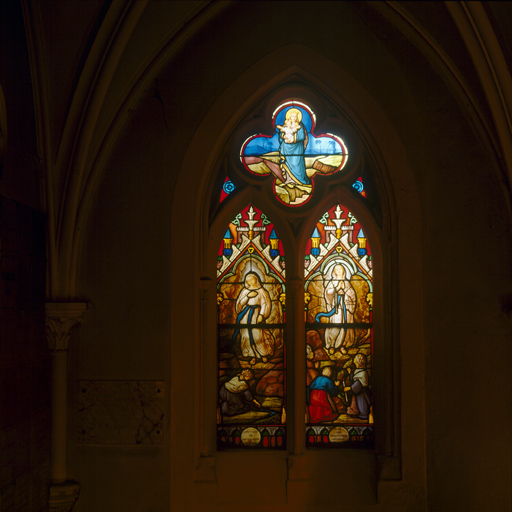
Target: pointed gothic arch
(205,162)
(251,186)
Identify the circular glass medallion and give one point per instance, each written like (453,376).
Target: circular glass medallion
(251,436)
(338,435)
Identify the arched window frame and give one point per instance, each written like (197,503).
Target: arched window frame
(203,160)
(259,192)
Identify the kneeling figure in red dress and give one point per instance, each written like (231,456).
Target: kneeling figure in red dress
(321,397)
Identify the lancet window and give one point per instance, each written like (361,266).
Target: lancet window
(338,295)
(251,291)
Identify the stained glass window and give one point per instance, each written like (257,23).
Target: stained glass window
(339,335)
(251,291)
(293,154)
(338,293)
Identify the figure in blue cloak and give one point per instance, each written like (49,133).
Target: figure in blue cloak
(293,141)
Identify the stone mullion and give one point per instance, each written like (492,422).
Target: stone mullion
(296,361)
(297,470)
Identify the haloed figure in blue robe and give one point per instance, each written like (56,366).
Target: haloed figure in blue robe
(293,141)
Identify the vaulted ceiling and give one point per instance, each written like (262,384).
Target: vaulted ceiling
(91,62)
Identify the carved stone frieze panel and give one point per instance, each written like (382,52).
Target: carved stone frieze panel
(121,412)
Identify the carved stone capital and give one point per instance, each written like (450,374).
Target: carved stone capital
(63,496)
(61,317)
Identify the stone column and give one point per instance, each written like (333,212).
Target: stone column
(61,318)
(207,370)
